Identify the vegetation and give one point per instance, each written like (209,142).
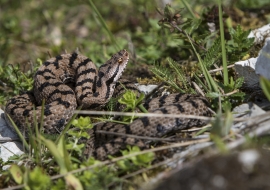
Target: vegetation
(174,41)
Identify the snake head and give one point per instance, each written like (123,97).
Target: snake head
(112,70)
(108,74)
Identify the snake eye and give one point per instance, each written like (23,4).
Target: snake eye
(120,60)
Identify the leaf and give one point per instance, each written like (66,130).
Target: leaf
(38,180)
(139,160)
(58,184)
(146,158)
(212,95)
(213,54)
(221,126)
(124,164)
(226,104)
(238,94)
(161,74)
(191,25)
(58,153)
(169,11)
(239,45)
(16,173)
(219,143)
(201,131)
(25,144)
(82,122)
(129,98)
(239,82)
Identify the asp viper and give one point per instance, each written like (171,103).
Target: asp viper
(71,80)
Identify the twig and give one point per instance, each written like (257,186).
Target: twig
(262,121)
(183,32)
(87,112)
(8,139)
(220,69)
(143,137)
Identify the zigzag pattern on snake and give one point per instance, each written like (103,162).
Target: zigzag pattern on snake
(71,80)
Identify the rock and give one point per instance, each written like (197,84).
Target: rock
(252,68)
(146,89)
(8,149)
(262,66)
(248,169)
(260,34)
(246,69)
(246,110)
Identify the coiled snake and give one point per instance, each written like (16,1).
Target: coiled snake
(71,80)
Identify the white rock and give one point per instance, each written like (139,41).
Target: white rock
(246,110)
(260,34)
(252,68)
(8,149)
(246,69)
(262,66)
(146,89)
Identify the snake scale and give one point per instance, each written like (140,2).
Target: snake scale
(71,80)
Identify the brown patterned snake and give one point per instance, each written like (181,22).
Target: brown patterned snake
(93,88)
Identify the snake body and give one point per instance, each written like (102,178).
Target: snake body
(92,88)
(152,126)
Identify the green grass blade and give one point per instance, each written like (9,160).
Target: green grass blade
(104,25)
(223,50)
(200,82)
(202,131)
(19,133)
(57,153)
(188,8)
(210,81)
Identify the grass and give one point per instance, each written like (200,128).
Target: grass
(174,41)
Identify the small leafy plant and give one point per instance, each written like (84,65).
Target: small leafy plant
(135,162)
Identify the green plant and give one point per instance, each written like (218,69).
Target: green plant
(133,163)
(80,130)
(173,76)
(130,100)
(239,45)
(35,179)
(12,76)
(207,57)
